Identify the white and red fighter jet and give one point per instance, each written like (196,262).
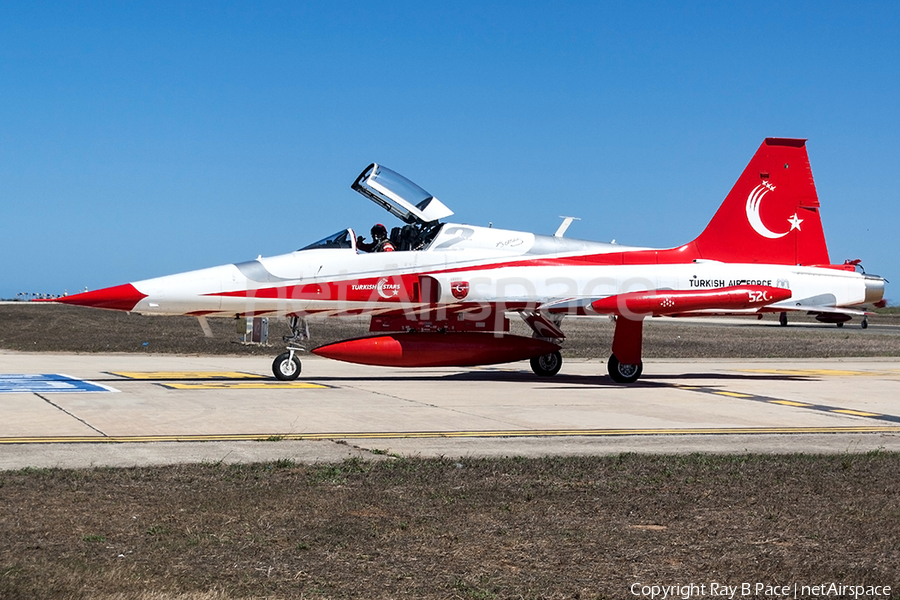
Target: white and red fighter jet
(443,297)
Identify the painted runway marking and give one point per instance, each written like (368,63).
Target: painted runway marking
(825,372)
(733,394)
(237,437)
(48,383)
(780,401)
(170,375)
(791,403)
(857,413)
(244,385)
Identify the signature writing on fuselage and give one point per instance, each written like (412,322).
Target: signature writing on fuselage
(717,283)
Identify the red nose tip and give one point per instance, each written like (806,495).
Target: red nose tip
(120,297)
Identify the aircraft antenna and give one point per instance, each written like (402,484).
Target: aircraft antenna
(565,225)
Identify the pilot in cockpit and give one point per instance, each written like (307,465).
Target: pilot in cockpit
(379,243)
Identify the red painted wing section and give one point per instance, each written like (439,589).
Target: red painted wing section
(121,297)
(655,302)
(436,349)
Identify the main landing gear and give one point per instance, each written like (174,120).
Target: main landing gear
(286,366)
(547,328)
(547,365)
(626,344)
(624,373)
(625,364)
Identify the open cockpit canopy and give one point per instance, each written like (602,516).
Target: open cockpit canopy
(399,196)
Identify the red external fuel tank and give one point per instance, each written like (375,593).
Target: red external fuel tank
(436,349)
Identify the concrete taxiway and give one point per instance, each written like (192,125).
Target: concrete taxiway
(67,410)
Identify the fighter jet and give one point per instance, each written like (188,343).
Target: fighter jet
(442,293)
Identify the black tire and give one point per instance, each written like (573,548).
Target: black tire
(782,318)
(864,324)
(286,367)
(547,365)
(840,324)
(623,373)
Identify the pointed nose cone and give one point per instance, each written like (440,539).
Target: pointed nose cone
(121,297)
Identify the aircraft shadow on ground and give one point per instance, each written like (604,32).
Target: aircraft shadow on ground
(598,380)
(499,376)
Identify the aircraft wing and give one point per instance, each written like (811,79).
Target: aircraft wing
(835,310)
(823,303)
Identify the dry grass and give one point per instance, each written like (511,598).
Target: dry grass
(585,527)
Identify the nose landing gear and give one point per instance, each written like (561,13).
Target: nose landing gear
(286,366)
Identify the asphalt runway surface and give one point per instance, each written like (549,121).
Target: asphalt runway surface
(83,410)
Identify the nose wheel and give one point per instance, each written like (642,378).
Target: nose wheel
(286,366)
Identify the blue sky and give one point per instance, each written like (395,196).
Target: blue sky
(142,139)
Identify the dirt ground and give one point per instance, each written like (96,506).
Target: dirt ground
(43,327)
(395,527)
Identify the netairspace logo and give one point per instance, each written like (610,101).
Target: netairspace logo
(743,590)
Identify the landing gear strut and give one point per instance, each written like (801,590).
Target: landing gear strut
(286,366)
(625,365)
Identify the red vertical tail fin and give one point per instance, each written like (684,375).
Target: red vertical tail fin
(771,214)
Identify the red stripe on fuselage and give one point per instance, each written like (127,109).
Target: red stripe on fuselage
(399,288)
(396,288)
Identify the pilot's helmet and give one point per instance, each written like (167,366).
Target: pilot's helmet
(379,231)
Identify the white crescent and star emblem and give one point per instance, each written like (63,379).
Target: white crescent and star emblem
(386,290)
(459,289)
(753,201)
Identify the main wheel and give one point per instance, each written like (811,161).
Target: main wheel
(782,319)
(622,373)
(864,324)
(286,367)
(547,365)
